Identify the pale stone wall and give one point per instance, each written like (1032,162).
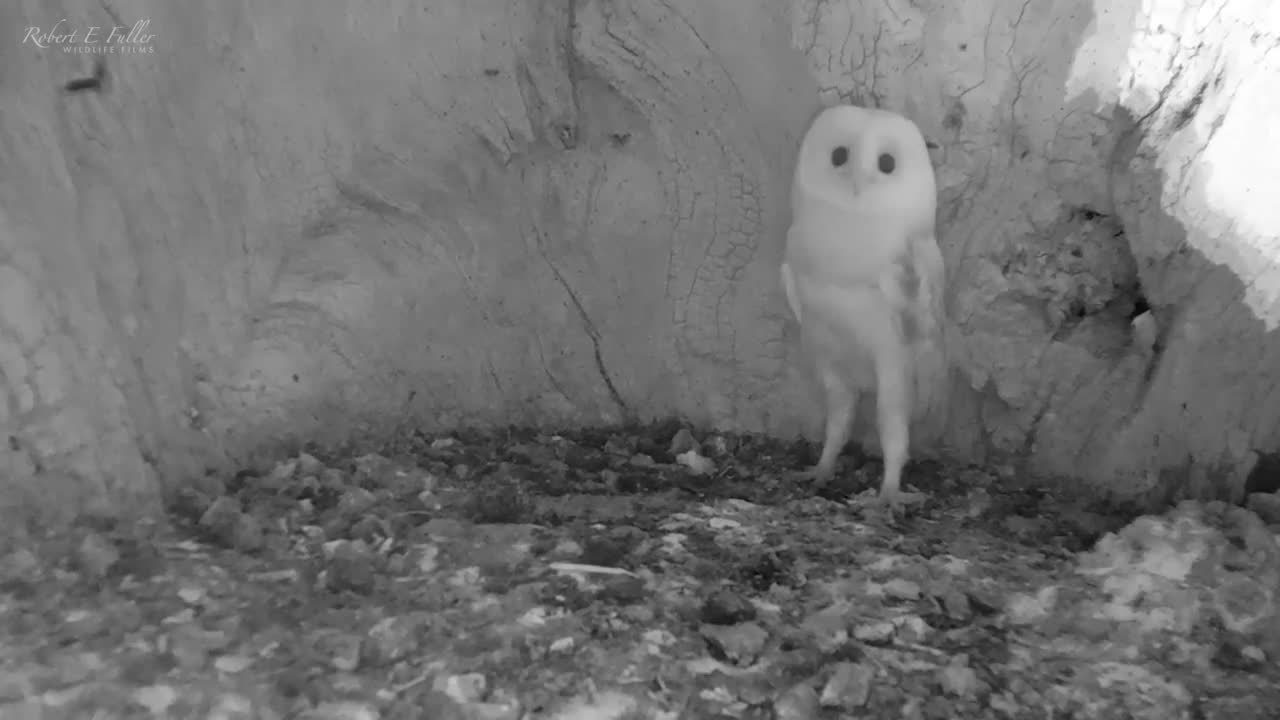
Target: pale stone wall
(282,223)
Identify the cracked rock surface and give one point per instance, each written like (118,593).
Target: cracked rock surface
(608,575)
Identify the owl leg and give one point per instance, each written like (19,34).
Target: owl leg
(893,406)
(841,402)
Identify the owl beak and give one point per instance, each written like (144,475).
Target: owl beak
(858,181)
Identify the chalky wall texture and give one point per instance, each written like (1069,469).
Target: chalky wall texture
(329,220)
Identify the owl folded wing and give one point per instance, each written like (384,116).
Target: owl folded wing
(914,285)
(789,282)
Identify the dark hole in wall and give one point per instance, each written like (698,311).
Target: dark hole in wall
(1140,304)
(1265,476)
(1083,213)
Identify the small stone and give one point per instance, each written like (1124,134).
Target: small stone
(368,467)
(606,551)
(393,639)
(739,644)
(342,649)
(188,648)
(633,481)
(1020,526)
(75,668)
(1266,505)
(623,590)
(683,441)
(959,680)
(725,607)
(190,503)
(467,688)
(369,529)
(620,445)
(355,501)
(1026,609)
(799,702)
(233,664)
(697,464)
(899,589)
(284,471)
(532,453)
(351,567)
(717,446)
(308,465)
(157,699)
(21,564)
(96,555)
(425,558)
(955,603)
(248,535)
(211,486)
(412,481)
(83,624)
(828,628)
(231,527)
(500,497)
(15,685)
(585,459)
(876,633)
(849,686)
(1242,602)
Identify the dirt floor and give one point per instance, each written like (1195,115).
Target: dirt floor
(651,573)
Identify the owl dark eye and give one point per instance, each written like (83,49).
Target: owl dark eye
(886,163)
(839,156)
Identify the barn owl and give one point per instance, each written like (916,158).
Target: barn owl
(863,275)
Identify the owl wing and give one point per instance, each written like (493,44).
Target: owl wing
(929,307)
(914,286)
(789,281)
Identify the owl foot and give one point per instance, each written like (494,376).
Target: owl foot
(816,474)
(812,479)
(895,502)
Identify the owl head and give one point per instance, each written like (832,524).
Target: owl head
(866,160)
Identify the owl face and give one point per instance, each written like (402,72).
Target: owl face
(867,160)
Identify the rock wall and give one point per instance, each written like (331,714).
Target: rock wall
(1114,263)
(281,222)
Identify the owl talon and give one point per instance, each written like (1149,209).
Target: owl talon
(814,474)
(897,501)
(820,474)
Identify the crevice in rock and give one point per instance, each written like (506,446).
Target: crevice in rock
(1188,112)
(1082,269)
(594,334)
(573,67)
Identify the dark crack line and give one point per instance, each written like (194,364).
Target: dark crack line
(592,333)
(493,375)
(573,66)
(546,369)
